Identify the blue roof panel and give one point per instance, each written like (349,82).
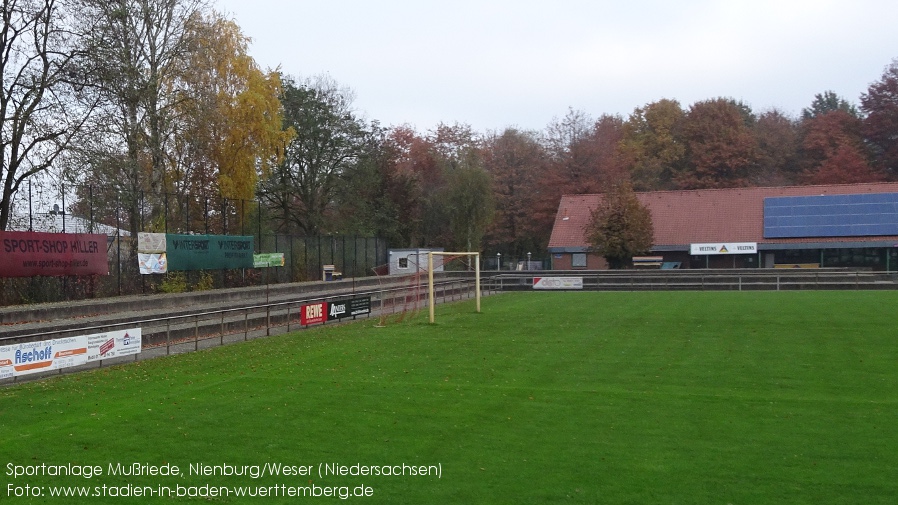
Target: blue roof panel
(856,215)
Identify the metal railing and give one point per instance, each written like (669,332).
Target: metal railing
(708,280)
(163,336)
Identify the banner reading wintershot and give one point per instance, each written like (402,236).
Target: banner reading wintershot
(208,252)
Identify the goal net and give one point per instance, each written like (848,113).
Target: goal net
(430,283)
(405,294)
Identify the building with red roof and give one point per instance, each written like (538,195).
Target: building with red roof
(847,225)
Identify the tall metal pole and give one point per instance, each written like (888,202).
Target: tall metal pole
(430,284)
(30,211)
(90,192)
(477,279)
(118,242)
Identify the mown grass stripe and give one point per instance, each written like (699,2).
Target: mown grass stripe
(654,397)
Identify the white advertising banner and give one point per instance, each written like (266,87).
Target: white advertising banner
(151,242)
(34,357)
(113,344)
(558,283)
(46,355)
(724,248)
(152,263)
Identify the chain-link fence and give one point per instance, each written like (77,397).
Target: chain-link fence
(85,209)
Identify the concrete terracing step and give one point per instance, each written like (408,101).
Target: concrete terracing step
(30,319)
(23,323)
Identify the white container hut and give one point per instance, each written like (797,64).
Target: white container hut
(410,261)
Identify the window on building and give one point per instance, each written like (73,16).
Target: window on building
(578,260)
(403,262)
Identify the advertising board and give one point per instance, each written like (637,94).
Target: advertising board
(723,248)
(558,283)
(350,307)
(46,355)
(30,254)
(320,312)
(208,252)
(313,313)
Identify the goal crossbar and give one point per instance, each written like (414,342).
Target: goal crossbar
(430,297)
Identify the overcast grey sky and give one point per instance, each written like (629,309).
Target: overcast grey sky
(499,63)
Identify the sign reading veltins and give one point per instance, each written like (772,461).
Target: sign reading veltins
(723,248)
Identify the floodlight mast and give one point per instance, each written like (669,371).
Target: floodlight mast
(430,297)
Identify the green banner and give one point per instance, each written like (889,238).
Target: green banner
(265,260)
(208,252)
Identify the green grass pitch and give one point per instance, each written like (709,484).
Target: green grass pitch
(573,397)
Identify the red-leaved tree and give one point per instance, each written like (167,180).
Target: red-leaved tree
(721,150)
(880,104)
(833,151)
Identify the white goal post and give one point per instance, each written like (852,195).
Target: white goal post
(430,297)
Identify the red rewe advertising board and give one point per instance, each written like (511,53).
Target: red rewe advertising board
(313,313)
(29,254)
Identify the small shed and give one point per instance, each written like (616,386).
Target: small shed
(410,261)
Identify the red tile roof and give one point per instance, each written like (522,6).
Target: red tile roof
(705,215)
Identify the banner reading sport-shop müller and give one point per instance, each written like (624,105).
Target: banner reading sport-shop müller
(45,355)
(29,254)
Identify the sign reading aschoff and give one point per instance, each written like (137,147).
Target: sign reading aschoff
(723,248)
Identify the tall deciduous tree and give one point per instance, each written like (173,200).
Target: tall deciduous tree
(328,141)
(880,104)
(777,136)
(571,156)
(833,150)
(449,148)
(137,48)
(365,204)
(582,157)
(230,113)
(721,151)
(409,181)
(651,144)
(516,162)
(469,201)
(620,227)
(41,103)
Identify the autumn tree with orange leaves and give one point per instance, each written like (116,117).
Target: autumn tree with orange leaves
(721,149)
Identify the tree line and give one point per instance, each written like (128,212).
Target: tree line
(156,104)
